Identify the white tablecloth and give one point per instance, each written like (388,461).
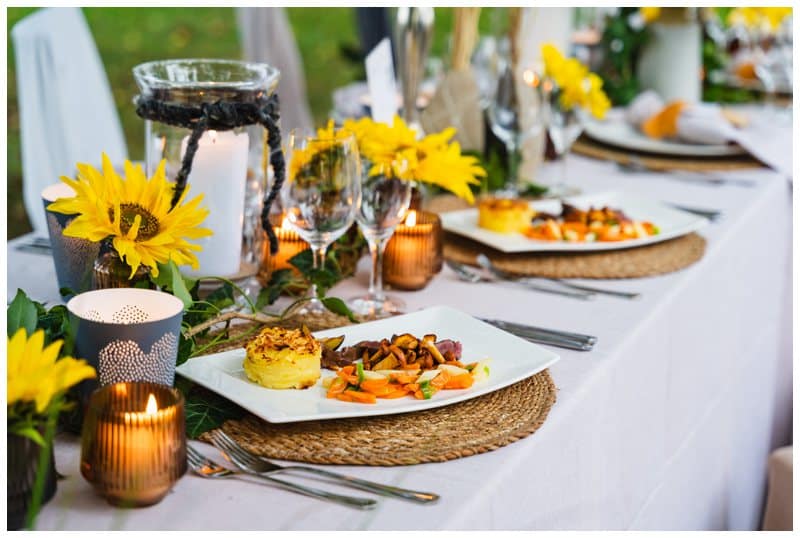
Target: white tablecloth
(667,424)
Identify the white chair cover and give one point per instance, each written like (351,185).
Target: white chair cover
(67,113)
(267,37)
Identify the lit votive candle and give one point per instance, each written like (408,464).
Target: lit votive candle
(133,447)
(410,259)
(289,244)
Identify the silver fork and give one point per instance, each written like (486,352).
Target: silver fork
(206,468)
(244,459)
(469,275)
(486,263)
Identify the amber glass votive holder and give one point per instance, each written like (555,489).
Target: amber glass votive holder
(413,254)
(289,244)
(133,444)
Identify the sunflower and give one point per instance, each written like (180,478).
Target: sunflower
(395,150)
(579,87)
(328,141)
(135,213)
(34,374)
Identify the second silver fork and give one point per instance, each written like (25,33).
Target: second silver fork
(245,460)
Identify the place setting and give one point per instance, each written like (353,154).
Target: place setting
(372,312)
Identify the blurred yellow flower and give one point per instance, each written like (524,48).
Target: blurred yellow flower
(34,373)
(579,87)
(434,159)
(649,14)
(326,138)
(135,213)
(767,18)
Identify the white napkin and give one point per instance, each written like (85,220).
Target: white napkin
(703,123)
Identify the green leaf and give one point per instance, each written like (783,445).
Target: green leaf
(31,433)
(66,291)
(185,349)
(337,306)
(206,411)
(278,282)
(170,278)
(22,313)
(304,261)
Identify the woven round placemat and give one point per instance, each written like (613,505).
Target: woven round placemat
(656,259)
(657,162)
(454,431)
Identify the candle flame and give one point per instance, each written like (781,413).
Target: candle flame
(285,222)
(411,218)
(530,78)
(152,405)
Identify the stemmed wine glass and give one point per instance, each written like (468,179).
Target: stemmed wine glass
(384,201)
(515,118)
(564,125)
(322,192)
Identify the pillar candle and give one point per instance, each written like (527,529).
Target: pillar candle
(219,171)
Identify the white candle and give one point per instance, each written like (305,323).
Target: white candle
(219,171)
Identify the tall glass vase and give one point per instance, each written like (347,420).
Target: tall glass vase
(23,464)
(229,165)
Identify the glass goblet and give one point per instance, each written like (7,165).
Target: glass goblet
(384,201)
(321,193)
(564,125)
(514,115)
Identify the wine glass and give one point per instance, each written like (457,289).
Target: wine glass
(384,201)
(564,125)
(514,115)
(321,193)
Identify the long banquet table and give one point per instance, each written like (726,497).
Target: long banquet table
(667,424)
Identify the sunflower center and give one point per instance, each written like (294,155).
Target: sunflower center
(148,226)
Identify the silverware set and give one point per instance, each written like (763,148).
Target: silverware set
(249,465)
(550,337)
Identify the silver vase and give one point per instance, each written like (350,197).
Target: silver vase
(413,31)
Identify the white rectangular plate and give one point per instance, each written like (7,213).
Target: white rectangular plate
(513,359)
(670,221)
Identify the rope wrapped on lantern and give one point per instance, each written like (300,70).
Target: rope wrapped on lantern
(205,118)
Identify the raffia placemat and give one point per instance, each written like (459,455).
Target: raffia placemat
(454,431)
(592,148)
(656,259)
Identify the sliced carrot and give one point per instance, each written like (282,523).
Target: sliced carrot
(463,381)
(440,380)
(348,370)
(409,367)
(418,395)
(371,384)
(404,379)
(361,397)
(454,363)
(378,391)
(352,379)
(411,387)
(337,387)
(394,394)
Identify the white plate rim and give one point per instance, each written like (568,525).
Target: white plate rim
(192,371)
(633,140)
(453,221)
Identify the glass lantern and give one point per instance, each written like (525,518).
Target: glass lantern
(231,156)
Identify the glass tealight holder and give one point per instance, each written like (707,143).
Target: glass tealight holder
(133,446)
(413,254)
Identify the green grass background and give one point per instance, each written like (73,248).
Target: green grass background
(126,37)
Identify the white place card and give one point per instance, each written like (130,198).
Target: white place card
(381,82)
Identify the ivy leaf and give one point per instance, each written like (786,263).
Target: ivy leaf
(278,282)
(337,306)
(185,349)
(304,261)
(206,411)
(170,278)
(22,313)
(65,291)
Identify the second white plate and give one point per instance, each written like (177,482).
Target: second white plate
(621,134)
(670,221)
